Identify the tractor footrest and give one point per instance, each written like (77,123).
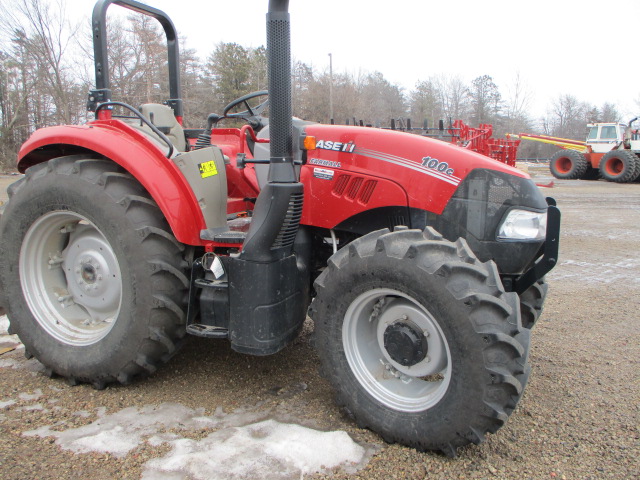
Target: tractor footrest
(208,331)
(233,237)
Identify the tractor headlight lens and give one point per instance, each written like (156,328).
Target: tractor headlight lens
(523,225)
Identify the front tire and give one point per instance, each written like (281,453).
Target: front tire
(93,278)
(568,165)
(532,303)
(419,339)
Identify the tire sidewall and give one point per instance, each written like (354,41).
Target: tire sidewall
(464,343)
(60,192)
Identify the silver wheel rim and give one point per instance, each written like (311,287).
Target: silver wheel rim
(408,389)
(71,278)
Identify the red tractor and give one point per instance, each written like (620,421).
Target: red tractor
(421,263)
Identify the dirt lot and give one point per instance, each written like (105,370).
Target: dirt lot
(579,418)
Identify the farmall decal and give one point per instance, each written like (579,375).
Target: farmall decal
(336,146)
(325,163)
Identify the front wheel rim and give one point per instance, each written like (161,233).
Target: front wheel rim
(412,388)
(71,278)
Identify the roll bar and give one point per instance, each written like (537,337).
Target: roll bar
(102,93)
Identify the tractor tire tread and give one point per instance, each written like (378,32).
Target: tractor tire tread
(164,261)
(468,280)
(579,165)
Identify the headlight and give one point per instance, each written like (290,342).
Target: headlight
(523,225)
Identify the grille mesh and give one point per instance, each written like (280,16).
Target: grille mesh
(289,229)
(341,184)
(367,191)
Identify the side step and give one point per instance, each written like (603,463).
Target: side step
(208,331)
(235,234)
(231,236)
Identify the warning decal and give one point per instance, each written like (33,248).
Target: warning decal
(208,169)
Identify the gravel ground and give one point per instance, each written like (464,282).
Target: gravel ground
(579,417)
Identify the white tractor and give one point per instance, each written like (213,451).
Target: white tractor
(611,151)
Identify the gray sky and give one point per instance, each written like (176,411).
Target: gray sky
(588,48)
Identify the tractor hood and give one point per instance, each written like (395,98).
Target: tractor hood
(430,171)
(367,178)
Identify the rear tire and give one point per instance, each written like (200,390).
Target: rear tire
(377,297)
(93,278)
(620,166)
(568,165)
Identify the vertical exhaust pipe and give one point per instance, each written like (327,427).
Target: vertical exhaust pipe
(280,111)
(278,209)
(263,320)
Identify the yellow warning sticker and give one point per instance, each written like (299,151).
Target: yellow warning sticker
(208,169)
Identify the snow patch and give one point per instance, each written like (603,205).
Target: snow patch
(260,451)
(9,363)
(28,397)
(32,365)
(123,431)
(605,272)
(4,325)
(245,444)
(6,404)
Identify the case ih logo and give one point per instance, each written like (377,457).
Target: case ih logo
(435,164)
(336,146)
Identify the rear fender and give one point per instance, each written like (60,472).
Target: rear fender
(134,152)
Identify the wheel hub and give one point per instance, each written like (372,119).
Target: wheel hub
(91,270)
(71,278)
(396,350)
(89,274)
(405,343)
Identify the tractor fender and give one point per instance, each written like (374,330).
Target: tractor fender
(134,152)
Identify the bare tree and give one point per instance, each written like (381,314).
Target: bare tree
(46,37)
(453,97)
(485,100)
(609,113)
(567,117)
(424,103)
(379,100)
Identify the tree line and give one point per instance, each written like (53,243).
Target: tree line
(46,72)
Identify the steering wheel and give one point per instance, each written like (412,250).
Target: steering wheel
(250,113)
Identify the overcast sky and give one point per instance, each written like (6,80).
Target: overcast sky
(590,49)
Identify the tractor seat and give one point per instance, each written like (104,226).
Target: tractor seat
(163,118)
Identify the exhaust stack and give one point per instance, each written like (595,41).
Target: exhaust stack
(279,69)
(278,209)
(263,320)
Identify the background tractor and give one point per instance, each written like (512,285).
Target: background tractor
(421,263)
(611,151)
